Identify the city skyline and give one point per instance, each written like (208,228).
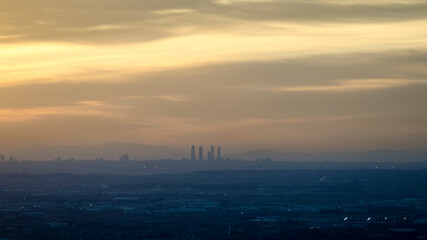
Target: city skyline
(291,76)
(210,154)
(131,151)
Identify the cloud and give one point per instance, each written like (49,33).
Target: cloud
(233,88)
(97,28)
(170,98)
(52,62)
(173,11)
(42,42)
(173,98)
(2,37)
(131,21)
(351,85)
(80,109)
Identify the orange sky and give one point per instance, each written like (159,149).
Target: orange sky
(296,75)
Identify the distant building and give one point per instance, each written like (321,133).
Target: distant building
(219,154)
(193,153)
(209,155)
(212,153)
(2,157)
(200,153)
(124,157)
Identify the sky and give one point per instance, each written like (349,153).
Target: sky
(286,75)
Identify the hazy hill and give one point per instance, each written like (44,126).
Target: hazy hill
(371,156)
(110,151)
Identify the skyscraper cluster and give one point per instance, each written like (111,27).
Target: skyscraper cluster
(211,153)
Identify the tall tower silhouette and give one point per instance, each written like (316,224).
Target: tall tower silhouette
(193,152)
(219,154)
(200,153)
(212,153)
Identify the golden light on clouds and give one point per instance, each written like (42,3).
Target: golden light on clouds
(51,62)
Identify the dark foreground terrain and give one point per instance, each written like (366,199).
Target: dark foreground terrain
(274,204)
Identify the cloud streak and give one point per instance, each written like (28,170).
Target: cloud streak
(80,109)
(351,85)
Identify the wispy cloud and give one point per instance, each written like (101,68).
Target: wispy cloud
(173,98)
(170,98)
(2,37)
(41,22)
(173,11)
(98,28)
(351,85)
(80,109)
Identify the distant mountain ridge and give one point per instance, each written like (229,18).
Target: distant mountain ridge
(109,151)
(374,156)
